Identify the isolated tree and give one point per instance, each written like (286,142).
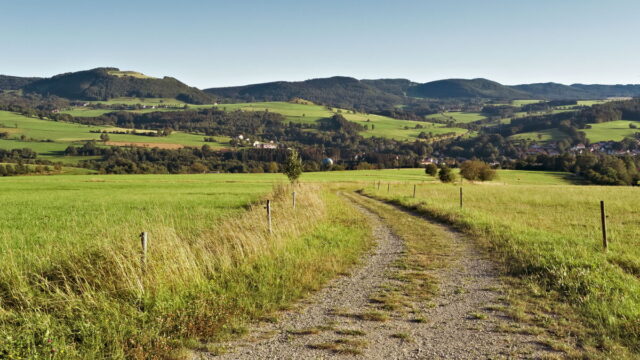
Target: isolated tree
(431,169)
(446,175)
(104,137)
(293,166)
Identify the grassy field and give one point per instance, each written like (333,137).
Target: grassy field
(64,134)
(524,102)
(72,284)
(550,236)
(405,176)
(140,101)
(134,74)
(383,126)
(71,278)
(607,131)
(611,131)
(541,136)
(306,113)
(459,117)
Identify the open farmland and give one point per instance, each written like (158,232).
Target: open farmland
(305,113)
(212,266)
(611,131)
(50,138)
(606,131)
(457,116)
(70,250)
(379,126)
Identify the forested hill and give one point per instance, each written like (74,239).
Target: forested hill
(555,91)
(463,88)
(15,82)
(107,83)
(336,91)
(382,93)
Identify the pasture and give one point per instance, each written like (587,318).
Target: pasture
(378,126)
(457,116)
(607,131)
(72,280)
(297,112)
(50,138)
(611,131)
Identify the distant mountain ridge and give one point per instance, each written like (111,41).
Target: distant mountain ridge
(107,83)
(339,91)
(8,82)
(390,90)
(463,88)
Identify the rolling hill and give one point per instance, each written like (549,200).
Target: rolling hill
(463,88)
(336,91)
(108,83)
(103,84)
(555,91)
(8,82)
(371,93)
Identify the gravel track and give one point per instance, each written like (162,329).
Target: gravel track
(458,322)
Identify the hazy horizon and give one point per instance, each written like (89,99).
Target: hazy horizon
(221,44)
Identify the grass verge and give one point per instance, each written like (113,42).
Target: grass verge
(562,281)
(98,302)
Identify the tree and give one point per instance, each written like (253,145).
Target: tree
(104,137)
(431,169)
(476,170)
(293,166)
(446,175)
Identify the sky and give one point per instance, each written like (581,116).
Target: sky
(224,43)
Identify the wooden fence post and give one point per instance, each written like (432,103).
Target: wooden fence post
(378,184)
(294,199)
(388,187)
(143,242)
(414,191)
(603,218)
(269,215)
(461,197)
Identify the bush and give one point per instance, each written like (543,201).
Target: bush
(431,169)
(477,170)
(446,175)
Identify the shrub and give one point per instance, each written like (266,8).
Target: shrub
(431,169)
(446,175)
(476,170)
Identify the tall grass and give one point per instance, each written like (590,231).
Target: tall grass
(551,235)
(96,299)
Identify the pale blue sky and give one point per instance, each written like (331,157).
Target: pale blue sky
(219,43)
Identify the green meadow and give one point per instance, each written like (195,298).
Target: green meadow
(611,131)
(541,136)
(303,112)
(524,102)
(50,138)
(378,126)
(72,284)
(607,131)
(457,116)
(72,281)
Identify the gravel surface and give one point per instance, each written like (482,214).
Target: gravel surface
(456,323)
